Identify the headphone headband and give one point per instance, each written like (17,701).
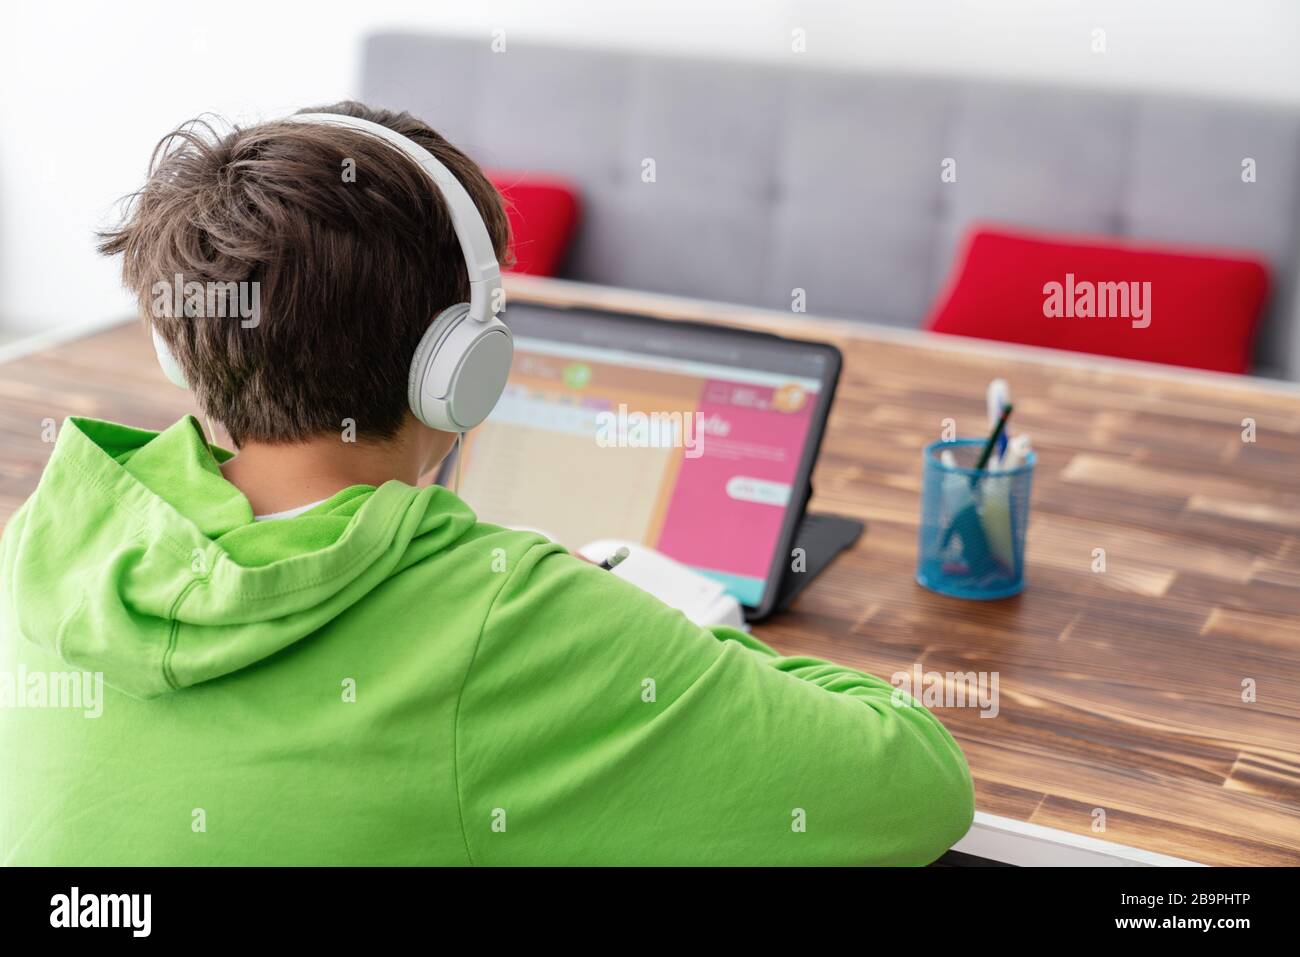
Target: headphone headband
(475,243)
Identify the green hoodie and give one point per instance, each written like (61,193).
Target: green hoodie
(386,680)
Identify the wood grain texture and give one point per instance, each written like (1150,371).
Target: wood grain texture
(1119,691)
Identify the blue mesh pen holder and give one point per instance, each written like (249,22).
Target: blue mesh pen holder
(973,522)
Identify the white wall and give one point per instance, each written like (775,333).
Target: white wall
(87,87)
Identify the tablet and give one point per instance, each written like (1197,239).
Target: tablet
(696,440)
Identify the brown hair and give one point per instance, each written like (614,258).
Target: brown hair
(350,271)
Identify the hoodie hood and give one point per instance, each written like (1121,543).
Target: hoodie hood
(136,558)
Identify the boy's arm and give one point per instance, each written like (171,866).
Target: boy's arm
(597,725)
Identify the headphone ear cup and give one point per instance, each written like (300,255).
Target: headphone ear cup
(482,376)
(459,370)
(170,367)
(424,353)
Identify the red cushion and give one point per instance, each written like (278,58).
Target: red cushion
(543,214)
(1199,309)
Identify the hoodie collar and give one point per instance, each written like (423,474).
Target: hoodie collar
(135,557)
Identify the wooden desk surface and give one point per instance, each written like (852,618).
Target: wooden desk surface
(1119,691)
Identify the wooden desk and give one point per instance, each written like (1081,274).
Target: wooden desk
(1120,691)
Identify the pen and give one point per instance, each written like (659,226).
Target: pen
(1017,453)
(992,441)
(609,563)
(998,397)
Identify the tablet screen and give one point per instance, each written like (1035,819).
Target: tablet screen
(690,439)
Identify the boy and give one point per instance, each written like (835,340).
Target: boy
(306,658)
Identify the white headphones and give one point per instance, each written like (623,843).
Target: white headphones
(460,367)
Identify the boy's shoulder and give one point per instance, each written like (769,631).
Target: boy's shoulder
(506,546)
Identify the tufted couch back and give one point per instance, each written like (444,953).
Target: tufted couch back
(769,178)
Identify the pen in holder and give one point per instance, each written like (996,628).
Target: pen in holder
(973,522)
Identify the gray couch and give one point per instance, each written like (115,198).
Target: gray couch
(770,177)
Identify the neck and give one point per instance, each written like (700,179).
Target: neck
(278,477)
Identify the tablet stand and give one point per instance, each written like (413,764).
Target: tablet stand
(822,537)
